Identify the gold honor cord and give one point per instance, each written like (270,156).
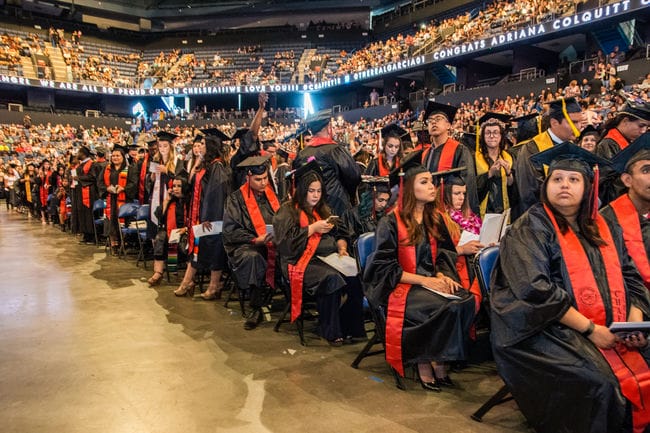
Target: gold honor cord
(576,133)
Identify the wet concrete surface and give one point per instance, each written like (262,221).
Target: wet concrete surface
(86,345)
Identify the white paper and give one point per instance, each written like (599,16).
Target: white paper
(444,295)
(269,229)
(175,236)
(153,167)
(494,227)
(344,264)
(467,236)
(217,227)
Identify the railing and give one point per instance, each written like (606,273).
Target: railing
(582,63)
(527,74)
(449,88)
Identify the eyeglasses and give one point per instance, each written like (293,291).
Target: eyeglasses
(436,119)
(492,133)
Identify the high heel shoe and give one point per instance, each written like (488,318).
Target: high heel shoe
(185,290)
(155,279)
(431,386)
(210,295)
(446,381)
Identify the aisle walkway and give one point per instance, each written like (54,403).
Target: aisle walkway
(85,346)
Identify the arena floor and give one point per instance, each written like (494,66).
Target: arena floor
(87,346)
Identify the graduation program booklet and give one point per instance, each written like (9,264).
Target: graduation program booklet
(344,264)
(629,327)
(444,295)
(494,227)
(174,236)
(217,227)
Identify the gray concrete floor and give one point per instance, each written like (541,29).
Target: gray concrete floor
(87,346)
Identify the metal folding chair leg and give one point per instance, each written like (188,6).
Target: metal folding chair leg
(501,396)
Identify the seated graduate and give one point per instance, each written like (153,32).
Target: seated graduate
(415,254)
(589,138)
(389,155)
(630,211)
(211,187)
(248,244)
(171,215)
(563,276)
(118,184)
(302,232)
(363,217)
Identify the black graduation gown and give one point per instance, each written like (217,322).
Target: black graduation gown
(492,189)
(247,147)
(215,188)
(528,178)
(84,215)
(560,380)
(130,191)
(280,181)
(463,157)
(607,148)
(356,225)
(160,242)
(341,174)
(373,167)
(435,328)
(248,260)
(610,216)
(611,185)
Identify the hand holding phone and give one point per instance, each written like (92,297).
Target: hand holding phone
(332,219)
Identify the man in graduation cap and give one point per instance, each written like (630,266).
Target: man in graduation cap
(566,121)
(249,211)
(341,174)
(562,277)
(85,192)
(444,153)
(631,210)
(627,126)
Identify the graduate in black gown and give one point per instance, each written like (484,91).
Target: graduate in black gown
(373,202)
(84,195)
(389,155)
(414,250)
(302,232)
(563,276)
(249,246)
(215,185)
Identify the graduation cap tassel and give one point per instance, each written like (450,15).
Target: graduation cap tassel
(441,196)
(595,193)
(575,130)
(374,197)
(401,188)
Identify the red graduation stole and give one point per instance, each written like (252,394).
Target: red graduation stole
(121,181)
(616,135)
(384,170)
(85,190)
(143,175)
(260,226)
(447,155)
(628,366)
(297,271)
(628,218)
(45,185)
(406,256)
(63,208)
(194,211)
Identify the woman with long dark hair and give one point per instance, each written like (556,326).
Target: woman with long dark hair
(562,278)
(413,273)
(389,155)
(303,230)
(117,185)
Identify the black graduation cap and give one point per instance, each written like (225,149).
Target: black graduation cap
(638,150)
(216,133)
(525,118)
(394,130)
(282,153)
(310,166)
(449,177)
(434,107)
(197,138)
(639,111)
(571,105)
(410,165)
(501,117)
(239,134)
(589,130)
(300,131)
(166,136)
(319,121)
(122,149)
(85,150)
(526,126)
(568,156)
(136,147)
(255,164)
(268,143)
(379,184)
(100,150)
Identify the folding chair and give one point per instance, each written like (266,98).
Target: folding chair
(484,263)
(98,217)
(142,220)
(128,212)
(364,246)
(300,324)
